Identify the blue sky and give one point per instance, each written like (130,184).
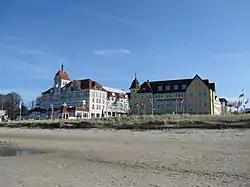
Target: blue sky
(110,40)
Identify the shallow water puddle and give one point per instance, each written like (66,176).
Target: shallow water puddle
(7,152)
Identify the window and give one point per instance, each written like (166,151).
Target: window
(205,93)
(190,93)
(168,87)
(142,96)
(93,100)
(176,87)
(156,95)
(183,86)
(199,93)
(191,105)
(159,88)
(205,103)
(169,105)
(200,102)
(93,106)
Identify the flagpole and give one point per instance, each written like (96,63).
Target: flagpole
(183,108)
(176,106)
(144,109)
(243,101)
(20,110)
(152,105)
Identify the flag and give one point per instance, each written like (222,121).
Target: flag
(239,103)
(20,105)
(241,95)
(246,101)
(136,104)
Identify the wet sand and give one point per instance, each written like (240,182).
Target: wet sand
(75,158)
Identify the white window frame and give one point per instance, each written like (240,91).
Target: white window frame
(160,88)
(183,86)
(167,87)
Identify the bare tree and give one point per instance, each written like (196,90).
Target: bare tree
(11,103)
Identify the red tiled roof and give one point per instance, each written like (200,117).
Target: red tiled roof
(117,95)
(87,84)
(62,75)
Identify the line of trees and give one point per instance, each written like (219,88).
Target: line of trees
(11,104)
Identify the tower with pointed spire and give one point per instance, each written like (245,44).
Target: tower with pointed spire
(61,79)
(134,88)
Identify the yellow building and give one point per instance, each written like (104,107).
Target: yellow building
(192,96)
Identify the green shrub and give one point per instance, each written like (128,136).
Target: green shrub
(140,122)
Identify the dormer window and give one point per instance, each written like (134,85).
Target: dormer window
(159,88)
(183,86)
(168,87)
(176,87)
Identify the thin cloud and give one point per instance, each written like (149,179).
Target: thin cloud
(102,16)
(40,68)
(37,71)
(31,52)
(8,37)
(111,52)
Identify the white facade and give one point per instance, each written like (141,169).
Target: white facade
(100,101)
(117,102)
(3,115)
(225,109)
(217,107)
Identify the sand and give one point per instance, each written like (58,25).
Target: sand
(74,158)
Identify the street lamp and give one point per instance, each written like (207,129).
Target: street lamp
(52,111)
(152,105)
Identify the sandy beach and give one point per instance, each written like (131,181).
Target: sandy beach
(74,158)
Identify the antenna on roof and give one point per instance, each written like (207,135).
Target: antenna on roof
(135,75)
(62,67)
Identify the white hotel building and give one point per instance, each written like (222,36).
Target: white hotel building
(80,99)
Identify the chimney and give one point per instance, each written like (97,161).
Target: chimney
(62,67)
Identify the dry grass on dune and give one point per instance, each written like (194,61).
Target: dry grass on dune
(142,122)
